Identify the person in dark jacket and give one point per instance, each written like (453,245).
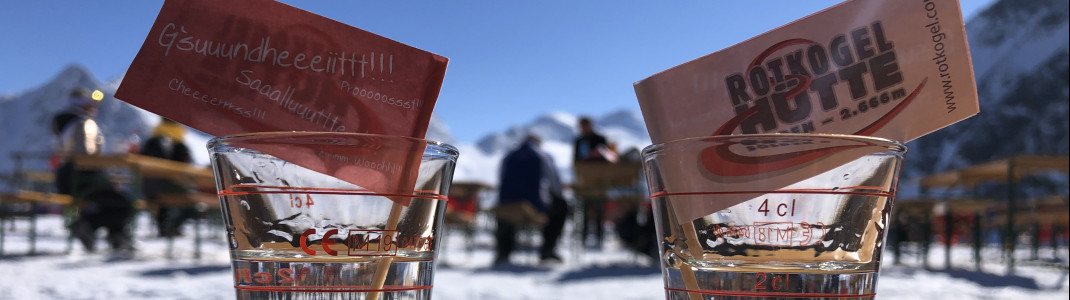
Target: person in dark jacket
(590,146)
(167,143)
(101,203)
(528,174)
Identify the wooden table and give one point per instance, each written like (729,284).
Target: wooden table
(142,166)
(601,184)
(149,167)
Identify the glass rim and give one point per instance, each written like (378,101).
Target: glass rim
(224,140)
(891,145)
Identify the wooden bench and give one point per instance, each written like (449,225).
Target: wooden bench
(32,201)
(198,200)
(201,201)
(23,196)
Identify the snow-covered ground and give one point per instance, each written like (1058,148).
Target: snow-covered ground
(610,273)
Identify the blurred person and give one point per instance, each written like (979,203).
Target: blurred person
(590,146)
(635,223)
(100,202)
(528,175)
(167,142)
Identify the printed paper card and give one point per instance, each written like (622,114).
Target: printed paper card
(231,67)
(883,68)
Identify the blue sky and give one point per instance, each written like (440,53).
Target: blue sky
(510,61)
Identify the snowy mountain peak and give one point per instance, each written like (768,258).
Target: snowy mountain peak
(624,127)
(1020,58)
(479,162)
(1016,36)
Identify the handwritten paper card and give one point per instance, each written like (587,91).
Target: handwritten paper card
(231,67)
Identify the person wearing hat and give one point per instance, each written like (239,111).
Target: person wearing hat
(167,143)
(100,203)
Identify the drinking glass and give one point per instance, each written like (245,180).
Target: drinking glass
(776,215)
(313,215)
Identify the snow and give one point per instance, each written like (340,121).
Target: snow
(609,273)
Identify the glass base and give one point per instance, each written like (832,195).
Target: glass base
(296,280)
(711,283)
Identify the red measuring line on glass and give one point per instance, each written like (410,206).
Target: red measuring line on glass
(772,294)
(236,190)
(839,191)
(332,288)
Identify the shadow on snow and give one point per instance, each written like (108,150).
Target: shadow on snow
(610,271)
(192,271)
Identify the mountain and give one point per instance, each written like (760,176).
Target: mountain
(25,120)
(1019,50)
(624,127)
